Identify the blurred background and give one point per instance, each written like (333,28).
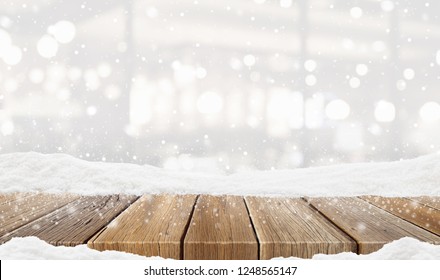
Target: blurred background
(221,86)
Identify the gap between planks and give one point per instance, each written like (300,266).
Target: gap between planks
(75,222)
(152,226)
(220,229)
(290,227)
(411,210)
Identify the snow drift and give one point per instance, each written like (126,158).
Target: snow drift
(58,173)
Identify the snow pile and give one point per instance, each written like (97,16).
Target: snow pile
(406,248)
(62,173)
(32,248)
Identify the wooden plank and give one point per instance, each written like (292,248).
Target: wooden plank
(10,197)
(220,229)
(369,225)
(430,201)
(153,226)
(22,210)
(410,210)
(289,227)
(76,222)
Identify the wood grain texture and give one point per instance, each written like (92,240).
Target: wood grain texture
(433,202)
(289,227)
(153,226)
(369,225)
(76,222)
(21,210)
(220,229)
(10,197)
(409,210)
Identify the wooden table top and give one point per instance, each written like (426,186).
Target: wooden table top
(206,227)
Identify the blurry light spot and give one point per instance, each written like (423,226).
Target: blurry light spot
(112,92)
(314,111)
(430,112)
(10,85)
(296,158)
(176,64)
(5,22)
(310,65)
(200,73)
(348,137)
(5,42)
(387,6)
(7,128)
(141,110)
(12,56)
(104,70)
(235,63)
(385,111)
(63,31)
(249,60)
(337,110)
(310,80)
(184,74)
(437,57)
(47,46)
(354,82)
(132,130)
(409,74)
(356,12)
(347,43)
(92,79)
(379,46)
(122,47)
(63,94)
(401,85)
(74,74)
(91,110)
(260,1)
(186,162)
(252,121)
(171,163)
(286,3)
(284,111)
(375,129)
(361,69)
(56,73)
(36,76)
(209,103)
(152,12)
(255,76)
(166,86)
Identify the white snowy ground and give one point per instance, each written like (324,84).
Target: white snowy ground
(59,173)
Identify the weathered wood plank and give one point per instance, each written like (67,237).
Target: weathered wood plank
(76,222)
(369,225)
(153,226)
(220,229)
(289,227)
(22,210)
(410,210)
(433,202)
(10,197)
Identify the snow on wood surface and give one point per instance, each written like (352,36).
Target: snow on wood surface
(406,248)
(32,248)
(60,173)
